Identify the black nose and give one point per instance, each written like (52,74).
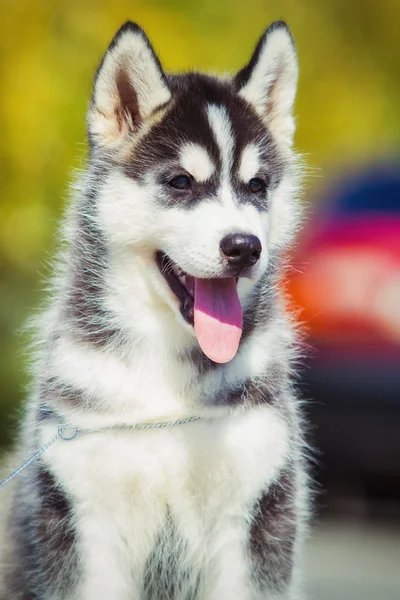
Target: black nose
(241,250)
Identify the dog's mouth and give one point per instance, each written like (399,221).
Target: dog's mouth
(211,306)
(180,283)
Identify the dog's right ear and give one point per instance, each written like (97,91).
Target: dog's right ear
(129,86)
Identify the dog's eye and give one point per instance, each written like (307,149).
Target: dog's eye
(181,182)
(256,185)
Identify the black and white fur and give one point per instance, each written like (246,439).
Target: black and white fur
(211,510)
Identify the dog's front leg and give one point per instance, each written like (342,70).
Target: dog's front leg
(106,570)
(227,573)
(232,579)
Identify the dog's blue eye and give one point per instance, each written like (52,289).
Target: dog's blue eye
(256,185)
(182,182)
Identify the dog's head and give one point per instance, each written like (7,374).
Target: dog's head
(198,177)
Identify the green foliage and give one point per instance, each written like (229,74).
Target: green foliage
(347,105)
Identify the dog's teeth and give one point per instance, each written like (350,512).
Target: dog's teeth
(179,274)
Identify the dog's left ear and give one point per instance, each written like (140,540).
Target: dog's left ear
(269,81)
(129,86)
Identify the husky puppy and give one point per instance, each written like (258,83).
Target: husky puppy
(165,307)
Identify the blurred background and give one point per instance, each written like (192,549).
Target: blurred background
(345,280)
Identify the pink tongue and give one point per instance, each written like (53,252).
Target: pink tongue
(218,318)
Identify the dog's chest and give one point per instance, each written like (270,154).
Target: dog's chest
(198,476)
(218,462)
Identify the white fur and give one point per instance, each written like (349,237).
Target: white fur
(132,56)
(250,162)
(285,210)
(126,481)
(196,160)
(271,88)
(258,352)
(173,389)
(222,129)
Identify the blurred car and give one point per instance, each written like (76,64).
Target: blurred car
(347,283)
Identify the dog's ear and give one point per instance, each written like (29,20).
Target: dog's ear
(269,81)
(129,87)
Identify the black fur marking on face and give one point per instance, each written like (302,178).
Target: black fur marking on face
(273,533)
(187,121)
(44,532)
(170,196)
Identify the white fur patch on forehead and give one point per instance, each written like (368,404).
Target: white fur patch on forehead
(222,129)
(196,160)
(250,162)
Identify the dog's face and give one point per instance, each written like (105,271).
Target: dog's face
(198,176)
